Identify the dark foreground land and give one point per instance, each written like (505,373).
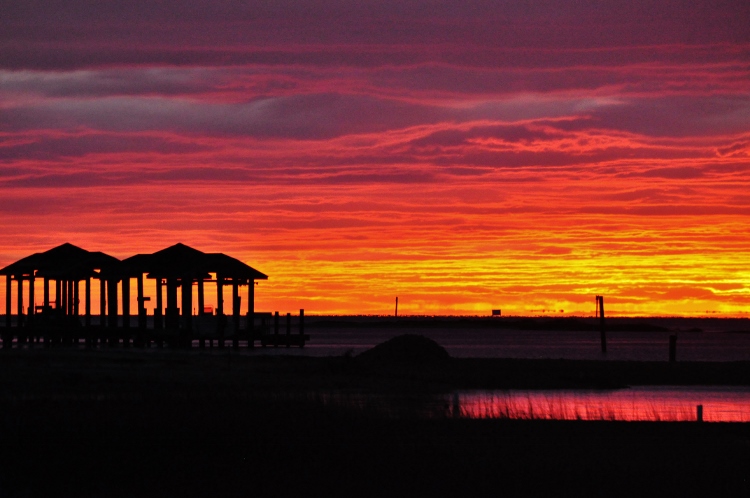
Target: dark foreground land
(126,423)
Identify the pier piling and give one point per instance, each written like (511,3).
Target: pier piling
(603,332)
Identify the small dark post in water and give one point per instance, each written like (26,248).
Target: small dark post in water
(600,311)
(699,409)
(301,328)
(288,329)
(396,307)
(672,348)
(276,329)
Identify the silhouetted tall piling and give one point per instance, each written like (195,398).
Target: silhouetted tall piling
(672,348)
(699,413)
(602,328)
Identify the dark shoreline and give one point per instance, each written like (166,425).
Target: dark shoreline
(80,370)
(132,423)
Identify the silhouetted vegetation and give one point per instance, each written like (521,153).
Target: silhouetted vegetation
(131,423)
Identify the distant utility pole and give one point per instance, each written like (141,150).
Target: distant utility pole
(397,306)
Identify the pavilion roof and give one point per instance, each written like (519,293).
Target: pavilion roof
(181,261)
(64,261)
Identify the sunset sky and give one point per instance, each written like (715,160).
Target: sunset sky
(461,155)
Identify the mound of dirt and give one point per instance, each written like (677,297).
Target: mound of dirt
(407,348)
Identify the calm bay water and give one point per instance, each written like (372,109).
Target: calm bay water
(697,340)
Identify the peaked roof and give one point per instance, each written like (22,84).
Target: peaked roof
(180,260)
(63,261)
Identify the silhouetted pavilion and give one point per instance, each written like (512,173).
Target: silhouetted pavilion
(67,265)
(173,268)
(181,266)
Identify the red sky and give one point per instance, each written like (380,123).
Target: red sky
(462,156)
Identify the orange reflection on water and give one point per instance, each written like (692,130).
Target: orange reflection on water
(667,404)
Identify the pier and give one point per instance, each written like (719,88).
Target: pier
(181,316)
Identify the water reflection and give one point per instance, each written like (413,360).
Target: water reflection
(668,404)
(720,404)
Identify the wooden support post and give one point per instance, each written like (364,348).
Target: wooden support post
(102,302)
(672,348)
(87,304)
(301,328)
(69,297)
(112,307)
(125,300)
(201,297)
(141,333)
(126,304)
(186,334)
(600,302)
(32,303)
(236,313)
(19,302)
(8,300)
(699,414)
(8,335)
(250,313)
(158,323)
(141,302)
(76,297)
(46,293)
(58,296)
(172,312)
(288,329)
(201,306)
(220,310)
